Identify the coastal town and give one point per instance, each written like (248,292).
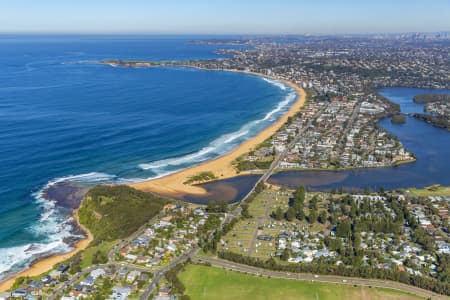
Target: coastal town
(400,236)
(336,134)
(401,231)
(345,229)
(338,127)
(343,133)
(225,150)
(127,270)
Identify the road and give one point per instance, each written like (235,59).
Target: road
(132,237)
(278,159)
(159,274)
(319,278)
(76,277)
(350,122)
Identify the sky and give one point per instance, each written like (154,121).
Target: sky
(224,17)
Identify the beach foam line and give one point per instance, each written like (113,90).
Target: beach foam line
(50,232)
(51,220)
(280,106)
(52,228)
(177,160)
(222,166)
(276,83)
(94,177)
(224,143)
(41,265)
(20,257)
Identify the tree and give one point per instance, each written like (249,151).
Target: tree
(285,255)
(313,202)
(353,210)
(299,194)
(75,264)
(245,213)
(260,187)
(297,203)
(343,229)
(290,214)
(404,277)
(211,207)
(357,241)
(99,258)
(223,206)
(312,217)
(278,214)
(64,277)
(323,217)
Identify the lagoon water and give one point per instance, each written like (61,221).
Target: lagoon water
(62,118)
(65,119)
(430,144)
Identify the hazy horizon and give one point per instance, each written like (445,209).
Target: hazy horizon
(213,17)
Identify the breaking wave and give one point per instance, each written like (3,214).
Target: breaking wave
(276,83)
(224,143)
(53,228)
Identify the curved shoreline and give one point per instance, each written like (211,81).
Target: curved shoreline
(172,185)
(46,264)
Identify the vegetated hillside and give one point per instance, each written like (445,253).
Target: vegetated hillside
(115,212)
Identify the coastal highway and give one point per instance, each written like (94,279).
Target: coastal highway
(277,161)
(158,275)
(318,278)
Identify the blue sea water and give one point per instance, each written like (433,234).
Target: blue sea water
(62,117)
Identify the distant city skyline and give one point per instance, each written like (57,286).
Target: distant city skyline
(223,17)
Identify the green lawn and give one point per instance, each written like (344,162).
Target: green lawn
(215,283)
(86,255)
(435,190)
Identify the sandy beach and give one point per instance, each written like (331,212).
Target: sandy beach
(173,184)
(46,264)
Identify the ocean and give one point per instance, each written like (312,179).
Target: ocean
(65,118)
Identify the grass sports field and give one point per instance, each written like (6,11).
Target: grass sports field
(215,283)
